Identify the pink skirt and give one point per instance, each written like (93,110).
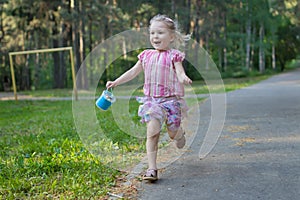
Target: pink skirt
(170,110)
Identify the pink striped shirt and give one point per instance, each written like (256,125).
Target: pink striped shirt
(160,75)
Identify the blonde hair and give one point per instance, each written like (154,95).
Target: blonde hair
(180,38)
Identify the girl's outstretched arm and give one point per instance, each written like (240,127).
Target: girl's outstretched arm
(127,76)
(182,77)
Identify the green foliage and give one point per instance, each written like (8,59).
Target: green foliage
(219,26)
(293,64)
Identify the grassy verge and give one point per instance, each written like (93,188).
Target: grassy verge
(237,83)
(42,156)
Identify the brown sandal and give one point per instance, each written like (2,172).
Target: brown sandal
(151,175)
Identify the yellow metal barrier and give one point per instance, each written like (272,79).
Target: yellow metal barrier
(11,54)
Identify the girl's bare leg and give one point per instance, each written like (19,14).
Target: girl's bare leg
(178,136)
(153,131)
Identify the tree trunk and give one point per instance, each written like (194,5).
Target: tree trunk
(188,21)
(2,32)
(220,58)
(25,71)
(248,32)
(75,37)
(261,49)
(84,79)
(218,39)
(197,22)
(58,83)
(273,57)
(90,35)
(252,49)
(36,72)
(25,74)
(225,42)
(62,62)
(173,5)
(207,57)
(37,62)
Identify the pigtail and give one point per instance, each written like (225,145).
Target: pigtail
(180,39)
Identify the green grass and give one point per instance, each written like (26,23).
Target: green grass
(237,83)
(48,93)
(42,156)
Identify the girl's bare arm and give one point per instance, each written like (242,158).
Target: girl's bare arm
(182,77)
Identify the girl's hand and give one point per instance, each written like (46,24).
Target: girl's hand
(111,84)
(184,79)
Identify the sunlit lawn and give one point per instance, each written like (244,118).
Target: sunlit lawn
(42,156)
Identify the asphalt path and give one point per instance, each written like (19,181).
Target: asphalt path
(256,157)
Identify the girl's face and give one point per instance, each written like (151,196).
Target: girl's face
(160,36)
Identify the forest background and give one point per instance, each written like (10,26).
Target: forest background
(243,37)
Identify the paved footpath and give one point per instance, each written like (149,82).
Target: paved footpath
(256,157)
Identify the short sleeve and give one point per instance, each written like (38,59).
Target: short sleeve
(141,56)
(177,56)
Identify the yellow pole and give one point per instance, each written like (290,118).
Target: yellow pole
(13,76)
(73,74)
(41,51)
